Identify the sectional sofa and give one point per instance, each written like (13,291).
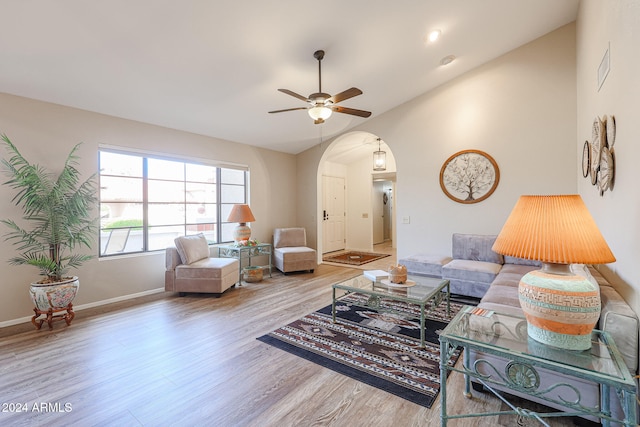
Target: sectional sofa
(474,270)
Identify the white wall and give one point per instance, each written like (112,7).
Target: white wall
(520,108)
(45,133)
(359,206)
(616,24)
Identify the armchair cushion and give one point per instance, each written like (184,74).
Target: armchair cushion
(207,275)
(192,248)
(289,237)
(298,253)
(208,268)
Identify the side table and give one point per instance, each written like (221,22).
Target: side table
(506,358)
(246,253)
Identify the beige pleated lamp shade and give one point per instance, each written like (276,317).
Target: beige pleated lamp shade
(553,229)
(241,214)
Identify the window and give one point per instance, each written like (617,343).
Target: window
(147,201)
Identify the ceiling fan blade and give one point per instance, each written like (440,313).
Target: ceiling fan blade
(288,109)
(349,93)
(352,111)
(295,95)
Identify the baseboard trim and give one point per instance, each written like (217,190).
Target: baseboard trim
(81,307)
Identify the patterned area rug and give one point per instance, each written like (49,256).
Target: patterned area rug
(354,258)
(380,349)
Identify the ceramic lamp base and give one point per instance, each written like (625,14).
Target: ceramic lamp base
(241,232)
(561,309)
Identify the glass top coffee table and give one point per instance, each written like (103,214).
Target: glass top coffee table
(423,292)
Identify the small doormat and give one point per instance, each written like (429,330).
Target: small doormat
(354,257)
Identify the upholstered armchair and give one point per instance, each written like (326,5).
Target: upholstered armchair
(190,268)
(290,251)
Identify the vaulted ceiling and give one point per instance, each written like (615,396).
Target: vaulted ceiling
(214,67)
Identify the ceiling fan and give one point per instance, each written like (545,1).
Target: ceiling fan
(323,104)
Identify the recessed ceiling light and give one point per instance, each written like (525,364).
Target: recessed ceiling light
(447,60)
(434,35)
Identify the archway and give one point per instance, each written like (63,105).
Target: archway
(350,157)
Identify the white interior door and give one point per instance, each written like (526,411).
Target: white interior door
(333,214)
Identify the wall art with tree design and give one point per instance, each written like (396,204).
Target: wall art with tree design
(469,176)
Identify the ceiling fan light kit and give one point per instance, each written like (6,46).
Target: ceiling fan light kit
(319,113)
(322,105)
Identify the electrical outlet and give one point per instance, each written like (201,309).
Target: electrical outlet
(406,219)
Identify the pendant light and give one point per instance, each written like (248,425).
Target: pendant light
(379,159)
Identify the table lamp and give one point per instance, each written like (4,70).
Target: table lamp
(561,307)
(241,214)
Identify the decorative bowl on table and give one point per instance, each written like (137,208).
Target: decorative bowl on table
(397,273)
(252,274)
(246,242)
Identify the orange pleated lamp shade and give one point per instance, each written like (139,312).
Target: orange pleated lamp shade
(553,229)
(241,213)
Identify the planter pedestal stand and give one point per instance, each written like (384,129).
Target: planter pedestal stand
(50,317)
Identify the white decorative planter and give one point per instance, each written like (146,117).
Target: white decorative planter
(50,298)
(55,296)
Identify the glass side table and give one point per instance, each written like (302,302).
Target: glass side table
(246,253)
(505,358)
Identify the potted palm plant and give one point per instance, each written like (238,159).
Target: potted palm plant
(57,219)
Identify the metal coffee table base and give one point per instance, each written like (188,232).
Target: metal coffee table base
(377,292)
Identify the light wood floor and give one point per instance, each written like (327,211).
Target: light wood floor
(164,360)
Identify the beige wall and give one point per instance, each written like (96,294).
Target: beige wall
(46,132)
(519,108)
(616,24)
(531,109)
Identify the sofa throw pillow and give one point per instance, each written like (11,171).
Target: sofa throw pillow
(475,247)
(521,261)
(192,248)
